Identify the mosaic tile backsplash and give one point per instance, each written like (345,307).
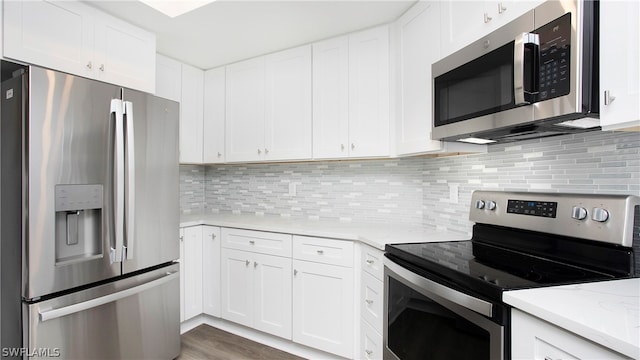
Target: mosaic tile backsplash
(417,189)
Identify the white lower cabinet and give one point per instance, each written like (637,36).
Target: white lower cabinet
(371,302)
(256,290)
(211,270)
(370,342)
(191,272)
(323,315)
(533,338)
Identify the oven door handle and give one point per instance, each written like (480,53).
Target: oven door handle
(480,306)
(526,68)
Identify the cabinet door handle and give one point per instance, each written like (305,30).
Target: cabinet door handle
(219,155)
(247,262)
(213,236)
(255,264)
(341,147)
(353,146)
(102,67)
(252,242)
(266,151)
(369,352)
(487,18)
(608,98)
(89,65)
(369,261)
(181,238)
(501,8)
(295,272)
(369,301)
(320,252)
(259,151)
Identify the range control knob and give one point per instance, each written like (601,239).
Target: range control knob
(479,204)
(600,215)
(579,213)
(491,205)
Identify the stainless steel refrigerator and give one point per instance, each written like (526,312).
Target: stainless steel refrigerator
(89,219)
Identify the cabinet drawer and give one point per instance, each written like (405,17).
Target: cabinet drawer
(325,251)
(370,342)
(372,299)
(372,261)
(257,241)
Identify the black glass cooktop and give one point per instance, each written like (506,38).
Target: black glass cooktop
(487,269)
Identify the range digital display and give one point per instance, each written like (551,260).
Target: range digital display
(532,208)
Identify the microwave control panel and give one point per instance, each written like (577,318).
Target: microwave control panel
(555,58)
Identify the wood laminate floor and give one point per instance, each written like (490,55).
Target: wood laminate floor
(206,342)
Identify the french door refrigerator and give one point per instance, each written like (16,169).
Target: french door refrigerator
(89,219)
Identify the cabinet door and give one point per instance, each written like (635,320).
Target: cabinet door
(462,23)
(418,48)
(237,286)
(244,121)
(181,260)
(214,98)
(53,34)
(192,271)
(331,98)
(191,115)
(124,54)
(272,294)
(323,315)
(211,270)
(168,78)
(619,59)
(288,105)
(370,342)
(369,93)
(371,301)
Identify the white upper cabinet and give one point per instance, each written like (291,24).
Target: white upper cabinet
(72,37)
(351,95)
(168,78)
(268,107)
(245,98)
(191,115)
(466,21)
(288,105)
(619,64)
(331,98)
(369,93)
(214,115)
(417,35)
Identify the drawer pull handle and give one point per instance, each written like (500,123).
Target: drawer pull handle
(320,252)
(370,262)
(369,352)
(252,242)
(295,272)
(369,301)
(247,262)
(255,264)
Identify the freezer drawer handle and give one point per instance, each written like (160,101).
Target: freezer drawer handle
(89,304)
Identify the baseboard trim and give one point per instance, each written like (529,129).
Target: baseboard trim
(257,336)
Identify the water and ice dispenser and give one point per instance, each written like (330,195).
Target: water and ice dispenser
(78,222)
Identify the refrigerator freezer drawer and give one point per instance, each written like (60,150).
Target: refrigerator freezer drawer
(132,318)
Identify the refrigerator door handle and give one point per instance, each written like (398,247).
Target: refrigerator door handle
(89,304)
(130,195)
(118,180)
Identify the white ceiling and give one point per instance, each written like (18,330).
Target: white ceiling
(227,31)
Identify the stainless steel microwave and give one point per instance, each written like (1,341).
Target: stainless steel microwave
(536,76)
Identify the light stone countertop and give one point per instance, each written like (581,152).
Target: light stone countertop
(606,312)
(376,235)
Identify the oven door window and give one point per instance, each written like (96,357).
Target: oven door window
(420,328)
(480,87)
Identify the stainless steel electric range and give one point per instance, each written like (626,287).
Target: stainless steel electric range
(443,300)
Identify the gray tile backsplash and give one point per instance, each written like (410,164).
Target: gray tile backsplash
(417,189)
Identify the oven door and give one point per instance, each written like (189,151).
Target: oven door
(426,320)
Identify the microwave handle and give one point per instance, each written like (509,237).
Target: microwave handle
(526,68)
